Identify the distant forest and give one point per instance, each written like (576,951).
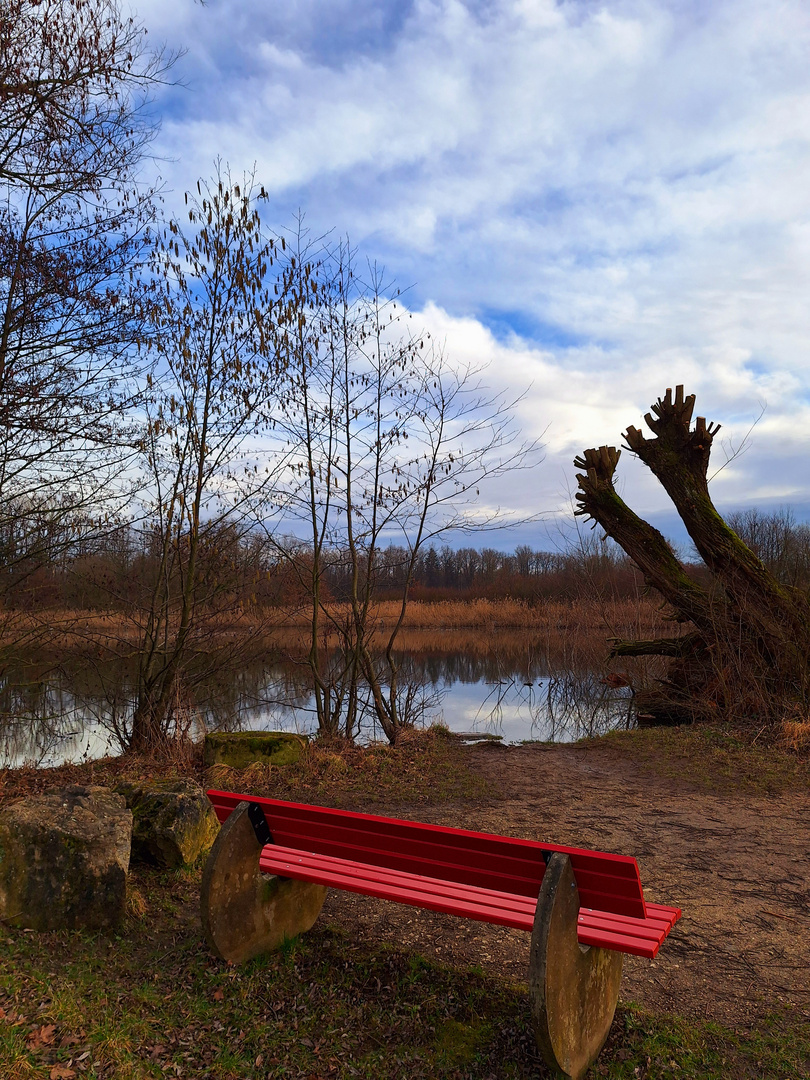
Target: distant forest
(111,571)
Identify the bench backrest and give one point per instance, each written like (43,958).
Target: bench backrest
(606,882)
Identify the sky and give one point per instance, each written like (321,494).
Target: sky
(598,200)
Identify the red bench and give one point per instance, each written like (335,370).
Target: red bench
(584,908)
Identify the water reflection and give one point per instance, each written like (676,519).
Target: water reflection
(81,711)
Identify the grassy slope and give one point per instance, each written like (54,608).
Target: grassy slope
(714,759)
(152,1002)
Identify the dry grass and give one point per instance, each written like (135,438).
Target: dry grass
(25,780)
(795,735)
(426,765)
(443,626)
(490,615)
(734,760)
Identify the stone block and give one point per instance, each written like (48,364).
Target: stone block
(64,858)
(573,989)
(173,823)
(238,749)
(244,912)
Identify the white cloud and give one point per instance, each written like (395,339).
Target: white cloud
(625,184)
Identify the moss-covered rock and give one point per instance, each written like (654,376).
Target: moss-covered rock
(173,823)
(64,858)
(238,749)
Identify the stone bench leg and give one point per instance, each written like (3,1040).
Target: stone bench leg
(573,988)
(245,912)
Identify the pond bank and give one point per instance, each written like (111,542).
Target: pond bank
(719,827)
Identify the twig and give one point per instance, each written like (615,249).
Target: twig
(776,915)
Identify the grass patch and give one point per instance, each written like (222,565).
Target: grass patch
(712,758)
(151,1002)
(668,1047)
(426,765)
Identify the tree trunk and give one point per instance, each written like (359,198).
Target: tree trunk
(746,655)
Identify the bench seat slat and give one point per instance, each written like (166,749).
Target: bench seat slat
(663,911)
(640,937)
(607,882)
(626,943)
(274,856)
(643,928)
(667,917)
(432,894)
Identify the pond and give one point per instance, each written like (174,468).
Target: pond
(71,714)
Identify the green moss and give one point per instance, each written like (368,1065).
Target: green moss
(242,748)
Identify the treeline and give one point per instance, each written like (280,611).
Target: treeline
(113,572)
(247,571)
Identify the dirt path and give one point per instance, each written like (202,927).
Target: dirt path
(738,866)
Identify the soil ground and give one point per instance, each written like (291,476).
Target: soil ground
(736,864)
(720,826)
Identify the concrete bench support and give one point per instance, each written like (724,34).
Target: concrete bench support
(244,912)
(573,988)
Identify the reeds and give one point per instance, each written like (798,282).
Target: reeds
(447,624)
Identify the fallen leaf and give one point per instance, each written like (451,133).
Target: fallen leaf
(62,1072)
(218,995)
(41,1036)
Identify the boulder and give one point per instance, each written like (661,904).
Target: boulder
(64,858)
(238,749)
(173,823)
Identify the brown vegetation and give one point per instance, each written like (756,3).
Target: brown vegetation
(451,625)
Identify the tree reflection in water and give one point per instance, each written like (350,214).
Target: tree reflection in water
(49,715)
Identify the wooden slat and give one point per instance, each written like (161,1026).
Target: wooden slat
(277,860)
(431,894)
(642,928)
(604,939)
(606,881)
(639,937)
(654,918)
(466,846)
(663,911)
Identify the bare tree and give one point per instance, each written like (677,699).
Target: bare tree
(387,442)
(74,81)
(779,540)
(210,397)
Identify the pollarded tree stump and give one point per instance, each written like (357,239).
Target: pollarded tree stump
(573,988)
(244,912)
